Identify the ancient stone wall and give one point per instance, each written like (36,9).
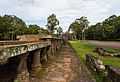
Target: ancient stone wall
(113,74)
(29,38)
(26,58)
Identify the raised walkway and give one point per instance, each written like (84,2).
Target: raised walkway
(65,67)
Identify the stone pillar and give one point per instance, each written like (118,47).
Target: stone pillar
(58,43)
(48,52)
(52,47)
(61,44)
(22,71)
(55,46)
(44,55)
(36,65)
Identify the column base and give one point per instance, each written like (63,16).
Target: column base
(35,70)
(23,77)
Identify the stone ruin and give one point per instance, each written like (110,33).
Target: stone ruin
(105,52)
(111,73)
(29,38)
(94,63)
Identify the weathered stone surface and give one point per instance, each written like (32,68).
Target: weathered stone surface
(14,50)
(113,74)
(68,60)
(29,37)
(23,77)
(94,63)
(105,52)
(25,61)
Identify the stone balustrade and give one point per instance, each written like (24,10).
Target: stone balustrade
(13,42)
(22,60)
(8,51)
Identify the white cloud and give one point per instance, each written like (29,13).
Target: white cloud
(37,11)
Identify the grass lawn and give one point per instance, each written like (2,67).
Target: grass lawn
(83,48)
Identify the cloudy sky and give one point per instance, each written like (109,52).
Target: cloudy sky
(37,11)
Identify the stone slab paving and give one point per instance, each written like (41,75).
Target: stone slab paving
(66,67)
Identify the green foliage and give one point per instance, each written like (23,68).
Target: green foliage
(11,26)
(59,31)
(79,26)
(82,48)
(33,29)
(52,22)
(109,29)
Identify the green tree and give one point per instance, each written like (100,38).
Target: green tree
(52,22)
(11,26)
(76,30)
(33,29)
(79,26)
(43,31)
(109,29)
(83,21)
(59,31)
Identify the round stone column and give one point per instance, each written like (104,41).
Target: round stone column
(22,71)
(36,64)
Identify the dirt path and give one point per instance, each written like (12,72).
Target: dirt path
(106,44)
(66,67)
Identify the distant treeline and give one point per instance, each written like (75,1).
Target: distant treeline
(109,29)
(11,26)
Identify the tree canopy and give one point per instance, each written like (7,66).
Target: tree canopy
(11,26)
(52,22)
(59,31)
(109,29)
(78,27)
